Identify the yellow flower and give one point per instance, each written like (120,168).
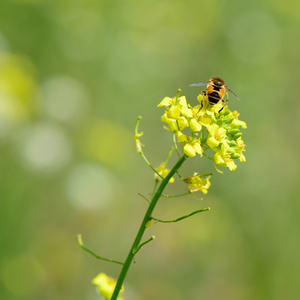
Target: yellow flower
(222,158)
(181,137)
(174,112)
(163,172)
(237,123)
(189,150)
(182,102)
(216,136)
(174,121)
(167,101)
(195,125)
(171,122)
(182,122)
(192,148)
(198,184)
(240,148)
(105,286)
(187,112)
(205,121)
(138,144)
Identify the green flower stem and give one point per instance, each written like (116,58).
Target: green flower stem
(169,155)
(142,229)
(183,217)
(177,95)
(207,156)
(175,143)
(139,146)
(148,163)
(80,243)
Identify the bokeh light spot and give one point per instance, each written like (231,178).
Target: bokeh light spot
(90,186)
(22,275)
(17,79)
(64,99)
(4,46)
(44,148)
(105,141)
(17,92)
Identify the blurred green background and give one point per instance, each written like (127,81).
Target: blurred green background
(74,76)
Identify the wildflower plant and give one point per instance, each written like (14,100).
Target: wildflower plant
(201,131)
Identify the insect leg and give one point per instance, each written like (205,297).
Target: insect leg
(227,96)
(203,94)
(225,102)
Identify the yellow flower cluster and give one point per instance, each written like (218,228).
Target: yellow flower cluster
(209,128)
(105,286)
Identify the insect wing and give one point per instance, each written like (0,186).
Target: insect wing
(233,94)
(199,83)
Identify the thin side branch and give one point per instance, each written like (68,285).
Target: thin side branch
(143,197)
(181,178)
(169,155)
(183,217)
(80,243)
(143,244)
(175,196)
(148,163)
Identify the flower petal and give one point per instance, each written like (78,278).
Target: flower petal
(167,101)
(195,126)
(189,150)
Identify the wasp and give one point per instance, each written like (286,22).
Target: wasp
(216,90)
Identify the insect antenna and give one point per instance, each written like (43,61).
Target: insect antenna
(233,94)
